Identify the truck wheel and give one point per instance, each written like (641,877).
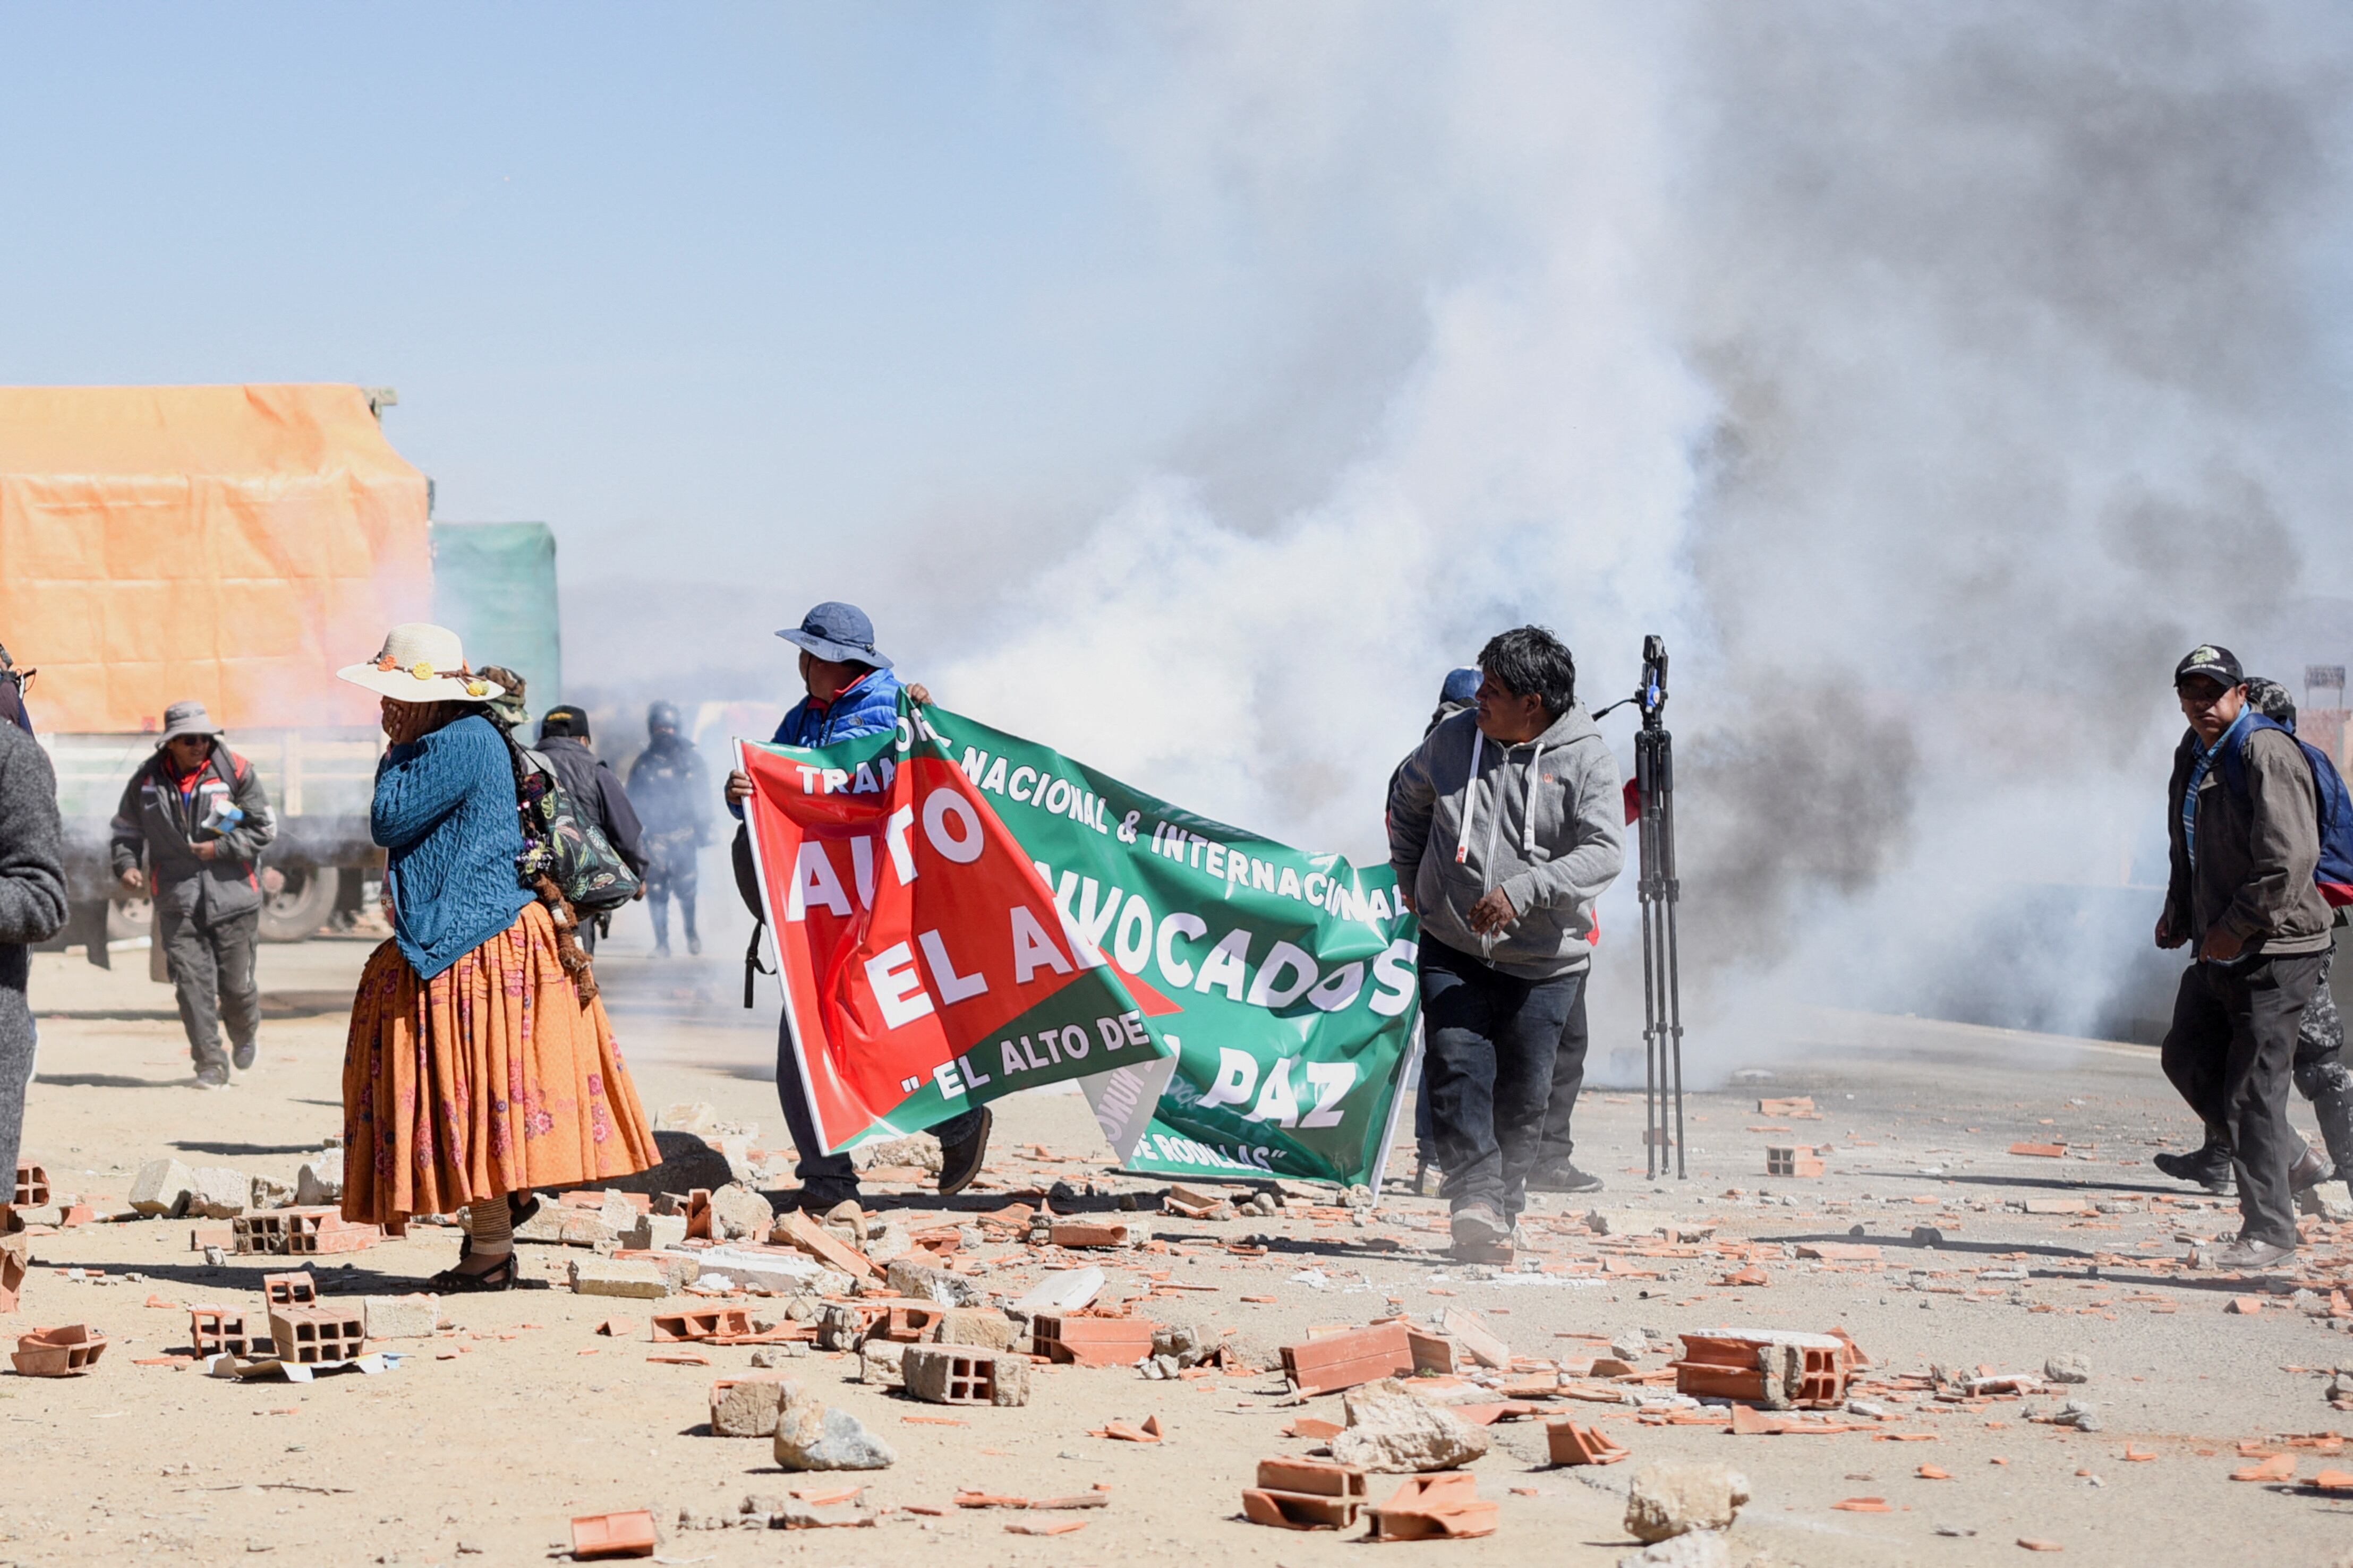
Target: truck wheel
(296,910)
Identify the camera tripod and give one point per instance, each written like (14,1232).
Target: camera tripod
(1663,1015)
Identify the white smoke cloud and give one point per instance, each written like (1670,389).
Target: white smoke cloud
(1912,370)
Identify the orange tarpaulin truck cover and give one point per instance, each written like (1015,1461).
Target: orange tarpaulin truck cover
(235,544)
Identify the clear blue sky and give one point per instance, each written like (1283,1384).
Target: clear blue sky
(697,284)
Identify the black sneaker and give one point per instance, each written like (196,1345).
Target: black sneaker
(2209,1167)
(212,1078)
(1565,1178)
(242,1056)
(961,1162)
(661,950)
(693,945)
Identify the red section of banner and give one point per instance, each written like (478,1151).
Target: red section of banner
(910,924)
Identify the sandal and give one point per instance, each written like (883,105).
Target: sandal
(457,1281)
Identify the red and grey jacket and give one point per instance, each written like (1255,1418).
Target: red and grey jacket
(161,819)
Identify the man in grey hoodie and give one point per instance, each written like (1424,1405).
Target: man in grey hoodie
(1506,825)
(32,908)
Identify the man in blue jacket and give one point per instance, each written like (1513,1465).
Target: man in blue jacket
(851,693)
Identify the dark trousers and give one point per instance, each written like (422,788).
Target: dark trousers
(212,975)
(1567,1082)
(1490,1039)
(2229,1052)
(833,1175)
(670,872)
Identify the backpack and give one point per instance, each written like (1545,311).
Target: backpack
(561,844)
(2334,874)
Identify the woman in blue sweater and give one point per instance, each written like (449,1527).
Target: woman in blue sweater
(474,1070)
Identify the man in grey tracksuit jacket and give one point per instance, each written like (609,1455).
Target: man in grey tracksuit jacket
(1506,825)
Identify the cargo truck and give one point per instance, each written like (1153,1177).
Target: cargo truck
(238,544)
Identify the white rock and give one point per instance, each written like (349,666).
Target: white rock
(414,1317)
(320,1180)
(607,1276)
(1669,1500)
(739,1214)
(1693,1549)
(1392,1432)
(161,1189)
(781,1272)
(1062,1290)
(924,1283)
(217,1192)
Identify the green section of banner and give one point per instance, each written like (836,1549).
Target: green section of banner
(1286,980)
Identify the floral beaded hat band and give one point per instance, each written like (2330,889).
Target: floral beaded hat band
(420,662)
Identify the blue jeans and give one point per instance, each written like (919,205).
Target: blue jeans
(834,1174)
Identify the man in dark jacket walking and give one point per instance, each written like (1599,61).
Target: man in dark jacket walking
(2243,820)
(597,793)
(2319,1072)
(673,795)
(1505,825)
(196,813)
(32,908)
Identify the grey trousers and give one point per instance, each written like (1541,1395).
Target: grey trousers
(212,973)
(19,1039)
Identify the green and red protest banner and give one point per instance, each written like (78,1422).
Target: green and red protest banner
(961,913)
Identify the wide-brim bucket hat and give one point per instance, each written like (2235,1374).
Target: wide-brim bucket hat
(186,719)
(420,662)
(839,633)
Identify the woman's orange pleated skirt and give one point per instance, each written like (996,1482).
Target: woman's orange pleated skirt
(487,1079)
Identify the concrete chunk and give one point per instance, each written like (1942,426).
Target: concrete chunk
(217,1192)
(924,1283)
(1062,1290)
(412,1316)
(320,1182)
(814,1435)
(1670,1499)
(1391,1431)
(655,1232)
(605,1277)
(161,1189)
(983,1326)
(739,1214)
(747,1406)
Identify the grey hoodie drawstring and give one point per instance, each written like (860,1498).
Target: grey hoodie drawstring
(1469,797)
(1528,807)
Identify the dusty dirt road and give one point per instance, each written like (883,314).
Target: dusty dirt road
(487,1441)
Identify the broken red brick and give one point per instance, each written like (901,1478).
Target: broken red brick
(1343,1361)
(613,1535)
(1444,1506)
(1862,1505)
(2031,1545)
(1083,1233)
(1075,1340)
(2245,1306)
(1046,1527)
(66,1352)
(712,1324)
(2041,1152)
(1574,1444)
(2333,1480)
(2278,1467)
